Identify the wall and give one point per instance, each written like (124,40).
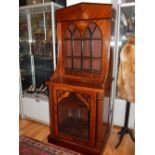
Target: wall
(119,113)
(71,2)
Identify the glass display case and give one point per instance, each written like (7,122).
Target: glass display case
(125,29)
(37,51)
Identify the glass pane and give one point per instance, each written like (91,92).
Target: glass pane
(73,47)
(37,34)
(42,48)
(72,28)
(77,48)
(77,34)
(97,33)
(127,22)
(37,22)
(68,34)
(86,63)
(96,65)
(24,53)
(128,1)
(126,36)
(92,27)
(97,43)
(86,48)
(68,63)
(26,73)
(97,48)
(77,63)
(87,34)
(43,69)
(73,117)
(77,43)
(23,36)
(23,28)
(61,2)
(68,47)
(48,27)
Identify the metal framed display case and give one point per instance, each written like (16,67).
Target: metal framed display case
(37,49)
(37,45)
(125,28)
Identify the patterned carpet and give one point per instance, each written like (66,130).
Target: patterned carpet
(28,146)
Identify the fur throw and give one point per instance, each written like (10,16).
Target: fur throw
(126,73)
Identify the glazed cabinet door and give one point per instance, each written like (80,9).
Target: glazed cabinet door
(85,49)
(75,115)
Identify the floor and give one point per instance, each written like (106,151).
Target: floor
(40,132)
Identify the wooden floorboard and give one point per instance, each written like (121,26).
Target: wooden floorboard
(40,132)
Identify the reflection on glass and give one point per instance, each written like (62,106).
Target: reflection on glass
(36,55)
(127,27)
(127,24)
(24,53)
(83,52)
(42,46)
(75,119)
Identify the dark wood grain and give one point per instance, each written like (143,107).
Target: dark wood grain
(96,85)
(84,11)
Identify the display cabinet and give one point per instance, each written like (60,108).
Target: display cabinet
(37,46)
(37,55)
(79,113)
(125,29)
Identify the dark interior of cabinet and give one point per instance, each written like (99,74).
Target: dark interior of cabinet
(43,69)
(73,117)
(25,69)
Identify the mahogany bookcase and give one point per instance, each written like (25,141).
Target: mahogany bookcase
(79,89)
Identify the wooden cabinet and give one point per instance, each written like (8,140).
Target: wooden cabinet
(82,79)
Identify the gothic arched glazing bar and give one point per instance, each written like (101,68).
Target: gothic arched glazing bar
(70,35)
(97,45)
(92,37)
(86,50)
(73,47)
(68,48)
(77,49)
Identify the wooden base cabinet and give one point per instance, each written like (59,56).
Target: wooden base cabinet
(79,113)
